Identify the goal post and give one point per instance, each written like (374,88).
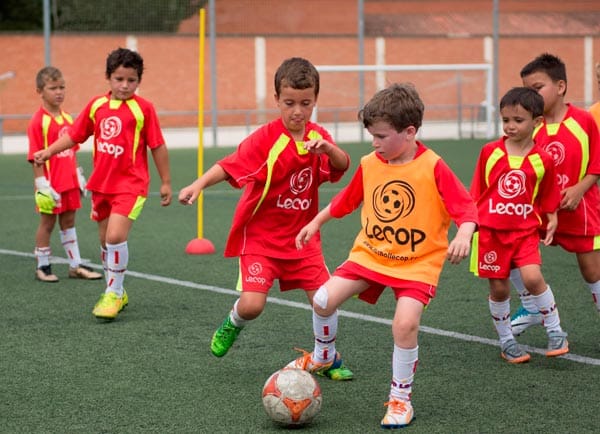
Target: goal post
(486,105)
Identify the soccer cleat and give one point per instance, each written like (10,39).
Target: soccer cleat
(84,272)
(306,363)
(224,337)
(512,352)
(557,344)
(338,371)
(44,274)
(399,414)
(522,319)
(109,305)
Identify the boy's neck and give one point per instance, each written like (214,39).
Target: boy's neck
(518,148)
(557,113)
(52,109)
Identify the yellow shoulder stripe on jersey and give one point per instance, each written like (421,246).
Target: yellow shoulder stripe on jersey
(538,168)
(276,149)
(584,142)
(139,123)
(45,127)
(491,162)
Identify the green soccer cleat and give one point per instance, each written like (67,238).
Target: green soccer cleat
(109,305)
(338,371)
(224,337)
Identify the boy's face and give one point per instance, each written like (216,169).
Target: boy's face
(552,91)
(391,145)
(296,107)
(123,83)
(517,123)
(53,93)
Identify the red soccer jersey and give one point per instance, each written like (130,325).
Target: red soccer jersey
(574,144)
(511,191)
(123,130)
(42,131)
(281,183)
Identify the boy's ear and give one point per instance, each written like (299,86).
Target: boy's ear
(538,120)
(411,131)
(562,87)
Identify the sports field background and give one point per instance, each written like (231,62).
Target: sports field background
(151,371)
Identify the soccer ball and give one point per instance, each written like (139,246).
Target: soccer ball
(291,397)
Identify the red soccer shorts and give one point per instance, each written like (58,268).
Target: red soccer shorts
(420,291)
(499,251)
(104,205)
(257,273)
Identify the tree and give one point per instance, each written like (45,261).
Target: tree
(98,16)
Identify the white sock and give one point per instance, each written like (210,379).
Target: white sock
(42,255)
(524,295)
(235,317)
(117,257)
(103,255)
(325,330)
(68,238)
(595,288)
(500,311)
(547,307)
(404,366)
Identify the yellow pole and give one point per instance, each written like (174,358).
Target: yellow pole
(201,119)
(199,245)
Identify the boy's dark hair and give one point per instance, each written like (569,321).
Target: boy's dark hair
(549,64)
(125,58)
(399,105)
(47,73)
(297,73)
(527,98)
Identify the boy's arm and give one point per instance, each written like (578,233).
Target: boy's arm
(62,143)
(571,196)
(308,231)
(212,176)
(160,156)
(550,227)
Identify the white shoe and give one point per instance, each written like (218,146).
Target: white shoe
(522,319)
(399,414)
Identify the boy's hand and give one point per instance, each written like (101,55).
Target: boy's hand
(40,157)
(188,195)
(46,198)
(82,181)
(305,234)
(460,246)
(166,194)
(318,146)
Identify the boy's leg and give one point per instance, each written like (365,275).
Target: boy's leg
(68,238)
(42,250)
(405,358)
(499,304)
(589,266)
(115,297)
(325,318)
(227,333)
(557,338)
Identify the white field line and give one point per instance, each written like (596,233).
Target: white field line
(344,313)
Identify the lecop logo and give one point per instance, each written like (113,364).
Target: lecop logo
(557,150)
(393,200)
(511,184)
(110,127)
(300,181)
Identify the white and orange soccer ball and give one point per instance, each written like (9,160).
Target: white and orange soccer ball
(292,397)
